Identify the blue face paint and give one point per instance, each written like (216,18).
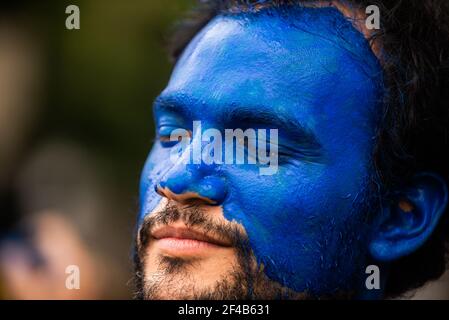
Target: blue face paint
(315,78)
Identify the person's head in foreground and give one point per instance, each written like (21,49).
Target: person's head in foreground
(355,122)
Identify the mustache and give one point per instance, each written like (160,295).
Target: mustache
(249,280)
(192,216)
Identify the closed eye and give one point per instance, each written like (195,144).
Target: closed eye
(288,154)
(169,136)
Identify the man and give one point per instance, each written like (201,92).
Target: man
(359,122)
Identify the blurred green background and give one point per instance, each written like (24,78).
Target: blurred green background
(104,77)
(76,128)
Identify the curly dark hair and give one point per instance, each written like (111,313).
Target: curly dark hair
(413,135)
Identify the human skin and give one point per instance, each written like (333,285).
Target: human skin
(310,69)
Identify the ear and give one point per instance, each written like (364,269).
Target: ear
(410,220)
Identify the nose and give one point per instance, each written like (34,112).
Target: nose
(186,183)
(185,189)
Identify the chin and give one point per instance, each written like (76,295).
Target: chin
(209,275)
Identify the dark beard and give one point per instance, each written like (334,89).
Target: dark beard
(244,282)
(247,280)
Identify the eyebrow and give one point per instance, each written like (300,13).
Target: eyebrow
(273,120)
(173,104)
(235,114)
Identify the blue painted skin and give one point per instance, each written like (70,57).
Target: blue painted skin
(310,74)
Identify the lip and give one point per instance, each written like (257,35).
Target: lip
(184,240)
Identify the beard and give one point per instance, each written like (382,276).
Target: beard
(244,281)
(174,278)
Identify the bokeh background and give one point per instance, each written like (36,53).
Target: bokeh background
(75,130)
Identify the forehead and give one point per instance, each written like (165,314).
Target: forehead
(302,60)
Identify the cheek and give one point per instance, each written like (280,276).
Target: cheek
(156,164)
(294,218)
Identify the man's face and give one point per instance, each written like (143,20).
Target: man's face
(225,230)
